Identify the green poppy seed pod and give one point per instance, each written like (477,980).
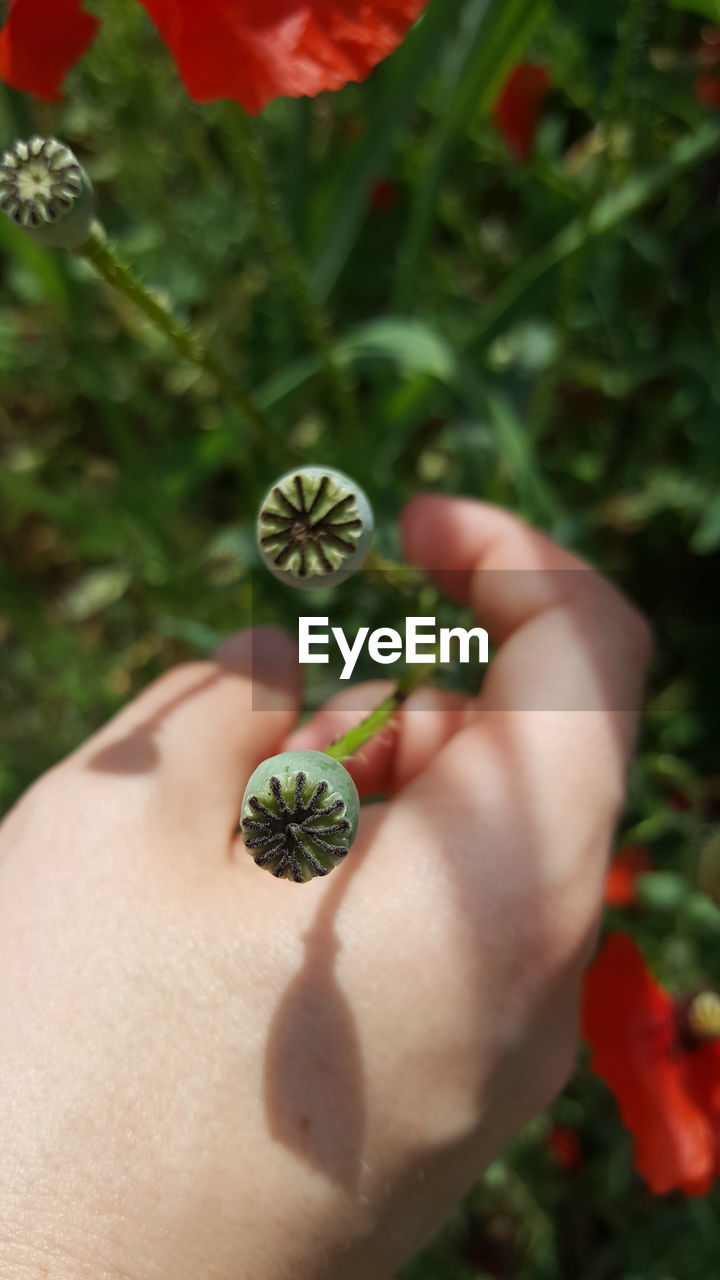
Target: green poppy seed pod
(299,814)
(314,527)
(46,192)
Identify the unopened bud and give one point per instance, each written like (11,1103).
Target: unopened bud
(45,191)
(703,1016)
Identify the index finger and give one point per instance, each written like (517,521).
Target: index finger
(548,750)
(569,640)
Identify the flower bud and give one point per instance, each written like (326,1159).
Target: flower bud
(703,1016)
(299,814)
(45,191)
(314,527)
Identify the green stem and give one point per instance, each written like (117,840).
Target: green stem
(411,581)
(405,577)
(522,287)
(572,275)
(289,265)
(618,108)
(382,714)
(123,279)
(491,35)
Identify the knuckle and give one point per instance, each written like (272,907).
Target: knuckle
(556,1031)
(638,634)
(182,677)
(38,805)
(565,932)
(561,1063)
(626,622)
(554,1061)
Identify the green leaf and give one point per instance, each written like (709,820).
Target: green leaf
(515,298)
(395,94)
(23,492)
(202,637)
(702,914)
(95,591)
(43,264)
(417,348)
(412,344)
(706,8)
(492,37)
(514,446)
(662,890)
(707,535)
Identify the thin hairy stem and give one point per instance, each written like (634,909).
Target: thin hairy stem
(290,267)
(117,274)
(631,38)
(383,713)
(407,579)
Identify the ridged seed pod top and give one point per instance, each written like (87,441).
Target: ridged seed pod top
(314,527)
(299,814)
(45,191)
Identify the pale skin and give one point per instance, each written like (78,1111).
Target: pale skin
(208,1074)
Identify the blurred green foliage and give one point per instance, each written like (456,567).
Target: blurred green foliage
(542,334)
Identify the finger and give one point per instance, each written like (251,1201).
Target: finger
(402,748)
(557,717)
(200,730)
(569,639)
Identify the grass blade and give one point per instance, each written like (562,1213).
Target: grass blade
(513,299)
(395,92)
(492,37)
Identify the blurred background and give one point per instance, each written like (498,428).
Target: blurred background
(521,273)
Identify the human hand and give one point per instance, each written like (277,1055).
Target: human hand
(209,1073)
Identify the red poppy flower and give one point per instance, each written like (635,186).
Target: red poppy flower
(665,1079)
(249,50)
(621,883)
(384,196)
(40,41)
(563,1144)
(707,90)
(707,84)
(677,798)
(517,112)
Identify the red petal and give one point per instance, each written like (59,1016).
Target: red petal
(563,1145)
(702,1081)
(257,50)
(517,112)
(384,196)
(707,90)
(629,863)
(41,41)
(629,1023)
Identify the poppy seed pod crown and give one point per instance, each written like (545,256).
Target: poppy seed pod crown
(314,527)
(45,191)
(299,814)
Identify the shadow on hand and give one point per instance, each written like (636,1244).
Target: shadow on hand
(137,752)
(314,1078)
(264,656)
